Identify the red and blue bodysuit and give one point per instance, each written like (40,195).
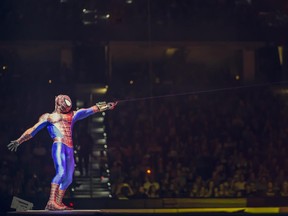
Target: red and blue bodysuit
(60,125)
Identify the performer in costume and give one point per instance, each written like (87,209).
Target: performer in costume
(59,125)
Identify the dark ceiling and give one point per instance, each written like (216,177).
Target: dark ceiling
(104,20)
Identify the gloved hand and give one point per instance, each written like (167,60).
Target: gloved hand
(13,145)
(111,105)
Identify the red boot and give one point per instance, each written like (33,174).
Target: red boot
(59,197)
(52,204)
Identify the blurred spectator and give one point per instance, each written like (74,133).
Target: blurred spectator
(150,182)
(284,189)
(270,190)
(124,191)
(153,192)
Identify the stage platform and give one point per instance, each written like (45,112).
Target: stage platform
(168,211)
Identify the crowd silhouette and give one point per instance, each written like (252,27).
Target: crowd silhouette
(221,144)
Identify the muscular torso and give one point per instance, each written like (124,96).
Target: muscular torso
(60,127)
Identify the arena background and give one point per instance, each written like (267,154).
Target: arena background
(201,121)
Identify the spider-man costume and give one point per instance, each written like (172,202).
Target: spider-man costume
(60,125)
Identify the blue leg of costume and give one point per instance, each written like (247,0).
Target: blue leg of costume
(64,164)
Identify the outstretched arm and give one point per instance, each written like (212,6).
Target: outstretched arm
(29,133)
(98,107)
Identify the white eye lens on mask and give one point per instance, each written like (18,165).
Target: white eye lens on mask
(68,103)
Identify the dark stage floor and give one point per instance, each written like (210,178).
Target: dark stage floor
(169,211)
